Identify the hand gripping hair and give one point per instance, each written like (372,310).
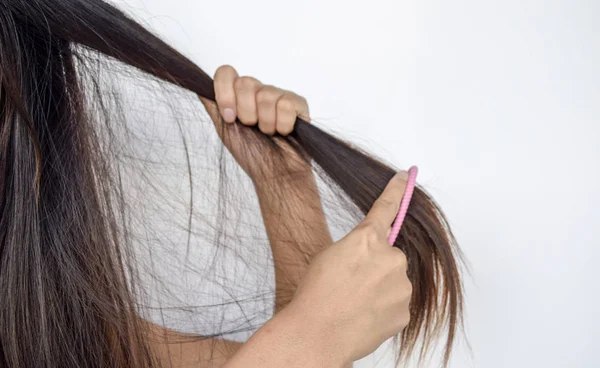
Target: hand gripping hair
(65,296)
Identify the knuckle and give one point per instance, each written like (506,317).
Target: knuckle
(245,83)
(386,202)
(394,187)
(368,232)
(266,94)
(285,104)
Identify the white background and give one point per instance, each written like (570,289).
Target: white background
(498,102)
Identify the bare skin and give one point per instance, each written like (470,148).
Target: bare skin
(290,339)
(354,295)
(248,100)
(275,110)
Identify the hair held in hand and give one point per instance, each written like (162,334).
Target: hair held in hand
(66,296)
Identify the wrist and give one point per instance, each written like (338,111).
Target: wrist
(312,340)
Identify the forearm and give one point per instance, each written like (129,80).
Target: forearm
(288,340)
(296,227)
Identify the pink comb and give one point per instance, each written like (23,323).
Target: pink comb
(410,187)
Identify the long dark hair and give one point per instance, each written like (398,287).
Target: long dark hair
(66,297)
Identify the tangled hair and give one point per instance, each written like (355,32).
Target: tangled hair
(67,294)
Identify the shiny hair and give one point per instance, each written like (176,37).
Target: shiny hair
(66,296)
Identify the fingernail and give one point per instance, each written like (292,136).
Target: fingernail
(228,115)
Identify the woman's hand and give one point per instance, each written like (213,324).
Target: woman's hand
(358,290)
(356,293)
(272,109)
(354,296)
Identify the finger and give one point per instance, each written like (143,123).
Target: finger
(290,106)
(245,93)
(266,101)
(225,77)
(384,210)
